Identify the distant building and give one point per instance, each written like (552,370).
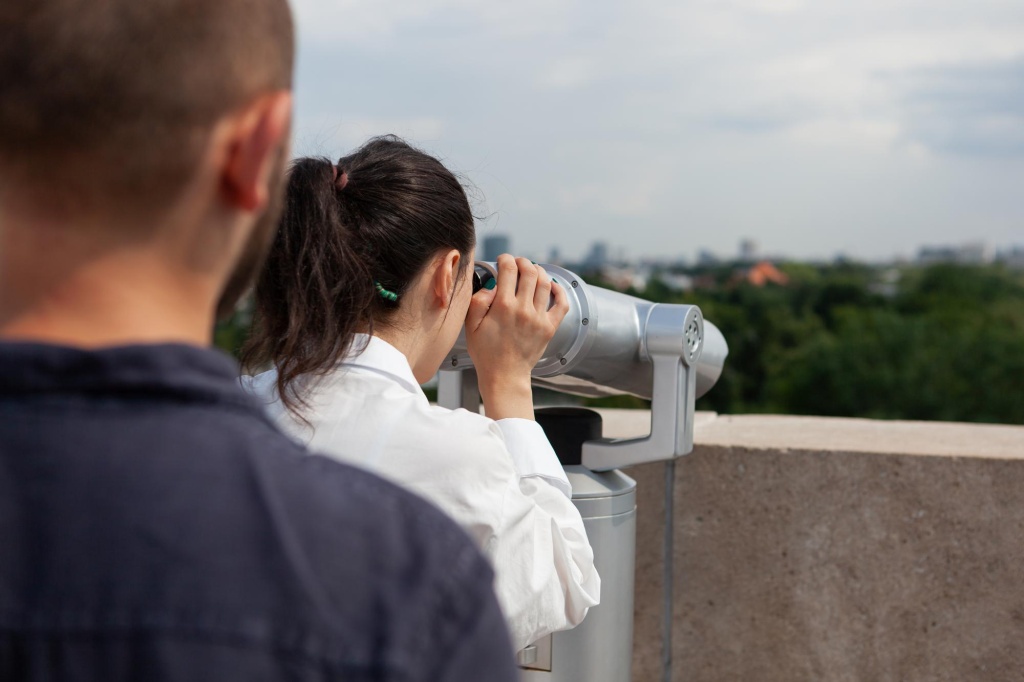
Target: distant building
(623,278)
(764,273)
(676,281)
(706,281)
(705,257)
(495,245)
(887,283)
(1013,258)
(672,263)
(973,253)
(928,255)
(598,256)
(976,253)
(749,251)
(555,256)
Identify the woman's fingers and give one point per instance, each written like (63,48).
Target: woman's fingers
(509,337)
(478,307)
(508,276)
(524,290)
(542,296)
(528,277)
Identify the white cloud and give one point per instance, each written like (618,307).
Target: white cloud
(567,73)
(333,136)
(773,6)
(717,113)
(374,23)
(618,199)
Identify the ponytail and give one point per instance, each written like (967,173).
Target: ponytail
(352,238)
(315,292)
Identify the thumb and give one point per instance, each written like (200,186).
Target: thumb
(478,307)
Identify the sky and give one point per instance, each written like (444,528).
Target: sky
(865,128)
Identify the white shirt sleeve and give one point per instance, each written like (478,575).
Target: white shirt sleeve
(545,577)
(544,566)
(532,454)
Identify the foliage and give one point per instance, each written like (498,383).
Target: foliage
(938,343)
(230,334)
(946,344)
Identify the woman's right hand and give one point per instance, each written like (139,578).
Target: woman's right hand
(508,328)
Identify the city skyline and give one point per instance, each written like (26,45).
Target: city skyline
(600,252)
(816,128)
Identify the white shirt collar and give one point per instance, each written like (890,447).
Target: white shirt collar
(381,357)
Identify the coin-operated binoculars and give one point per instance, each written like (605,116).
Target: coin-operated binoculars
(608,344)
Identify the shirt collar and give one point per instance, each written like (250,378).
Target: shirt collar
(159,371)
(377,355)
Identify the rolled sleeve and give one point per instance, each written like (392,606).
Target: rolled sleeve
(532,454)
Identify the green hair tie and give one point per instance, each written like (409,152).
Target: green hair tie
(385,294)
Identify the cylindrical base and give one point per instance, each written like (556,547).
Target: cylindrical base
(601,648)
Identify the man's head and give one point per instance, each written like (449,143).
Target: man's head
(120,112)
(119,96)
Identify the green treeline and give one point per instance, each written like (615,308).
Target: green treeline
(939,343)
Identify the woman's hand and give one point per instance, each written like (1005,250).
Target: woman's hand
(508,329)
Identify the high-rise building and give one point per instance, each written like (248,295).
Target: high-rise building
(706,257)
(1013,257)
(972,253)
(598,256)
(749,251)
(495,245)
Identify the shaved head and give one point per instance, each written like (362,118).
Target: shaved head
(114,100)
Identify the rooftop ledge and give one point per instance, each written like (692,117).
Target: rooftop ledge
(828,549)
(784,432)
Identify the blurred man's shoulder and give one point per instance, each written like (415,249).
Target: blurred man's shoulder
(364,540)
(142,484)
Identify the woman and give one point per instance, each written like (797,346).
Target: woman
(365,291)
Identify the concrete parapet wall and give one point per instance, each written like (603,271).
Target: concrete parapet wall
(837,550)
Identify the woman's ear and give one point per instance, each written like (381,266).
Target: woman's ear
(446,274)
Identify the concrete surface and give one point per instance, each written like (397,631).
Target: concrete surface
(835,550)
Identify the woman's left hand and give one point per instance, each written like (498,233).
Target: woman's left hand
(508,329)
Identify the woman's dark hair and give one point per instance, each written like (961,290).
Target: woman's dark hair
(371,222)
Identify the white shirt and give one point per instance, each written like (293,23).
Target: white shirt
(499,479)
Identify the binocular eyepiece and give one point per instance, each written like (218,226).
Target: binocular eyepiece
(483,278)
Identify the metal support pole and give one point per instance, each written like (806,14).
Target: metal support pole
(458,389)
(666,629)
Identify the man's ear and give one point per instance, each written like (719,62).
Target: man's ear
(446,274)
(257,136)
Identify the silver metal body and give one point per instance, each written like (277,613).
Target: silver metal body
(601,648)
(611,344)
(599,349)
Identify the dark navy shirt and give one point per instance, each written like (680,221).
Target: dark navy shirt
(155,526)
